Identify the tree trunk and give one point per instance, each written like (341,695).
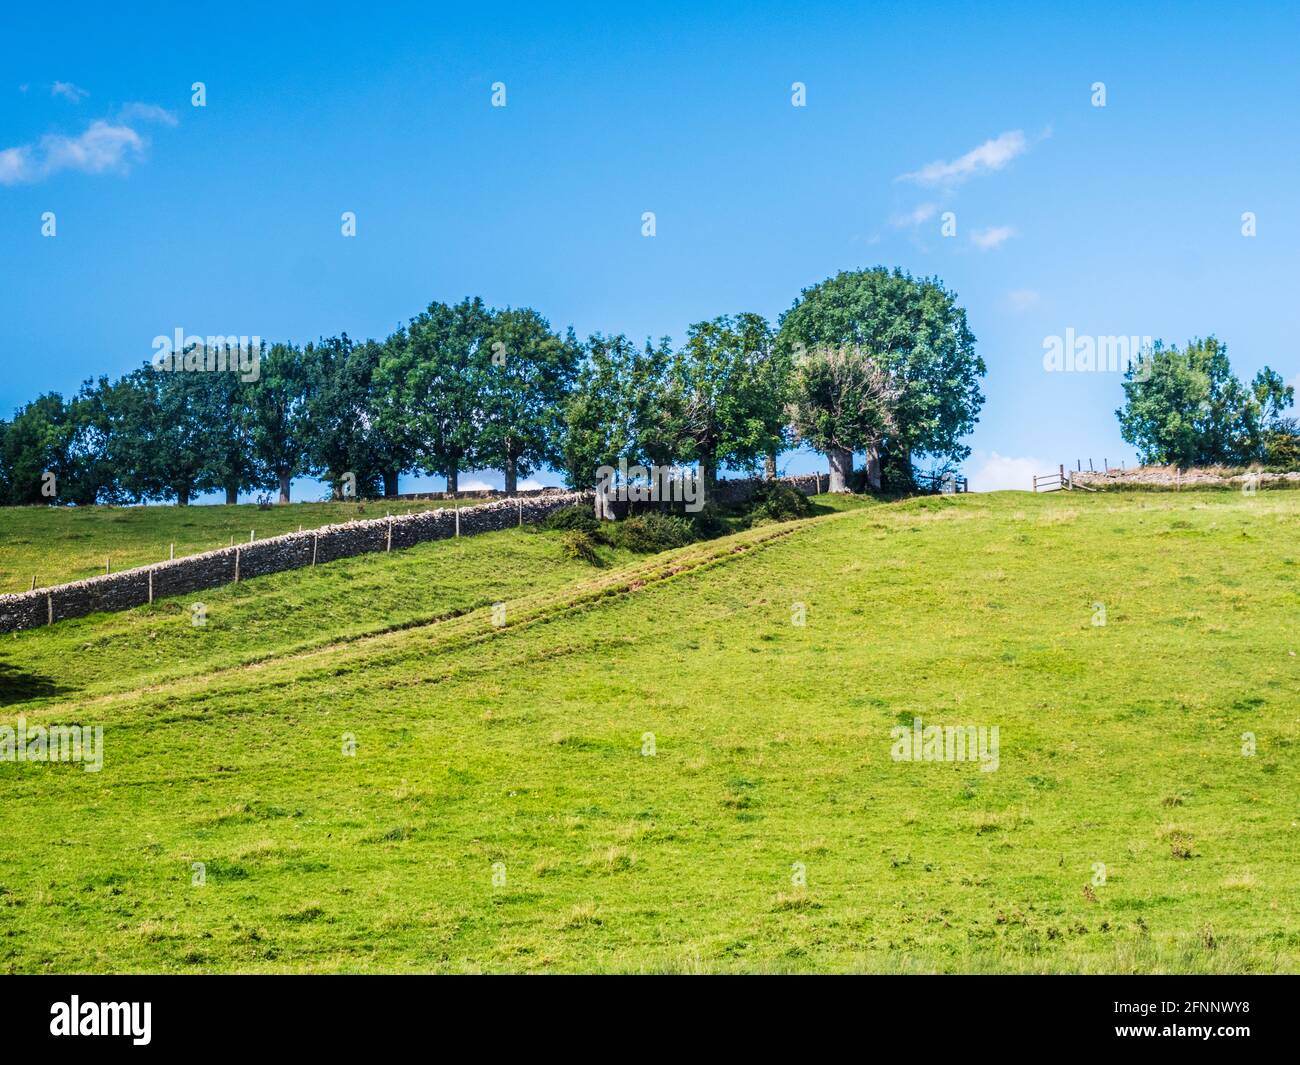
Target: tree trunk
(390,483)
(453,477)
(284,486)
(511,474)
(769,466)
(841,468)
(232,494)
(183,496)
(708,474)
(873,467)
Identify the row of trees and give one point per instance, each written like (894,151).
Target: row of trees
(1187,408)
(874,362)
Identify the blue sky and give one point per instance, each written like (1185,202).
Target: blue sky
(1115,220)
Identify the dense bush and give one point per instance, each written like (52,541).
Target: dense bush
(578,517)
(649,532)
(580,545)
(709,523)
(777,501)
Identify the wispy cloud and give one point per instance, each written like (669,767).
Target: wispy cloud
(990,156)
(921,213)
(1022,299)
(138,112)
(990,237)
(104,147)
(68,91)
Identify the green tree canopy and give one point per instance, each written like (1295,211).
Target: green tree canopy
(729,390)
(842,401)
(1187,408)
(277,415)
(918,335)
(529,374)
(431,376)
(624,406)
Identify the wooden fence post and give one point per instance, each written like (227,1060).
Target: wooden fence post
(389,545)
(49,608)
(315,540)
(457,509)
(236,565)
(151,586)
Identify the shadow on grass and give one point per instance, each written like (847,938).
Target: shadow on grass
(19,686)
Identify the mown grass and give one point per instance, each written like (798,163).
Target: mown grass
(503,812)
(60,544)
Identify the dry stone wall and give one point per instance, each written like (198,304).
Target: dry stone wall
(137,587)
(183,576)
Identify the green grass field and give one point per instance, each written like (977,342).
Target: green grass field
(651,767)
(59,544)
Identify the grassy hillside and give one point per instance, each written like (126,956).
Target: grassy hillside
(58,544)
(502,810)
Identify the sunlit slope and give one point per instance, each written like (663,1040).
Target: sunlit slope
(638,770)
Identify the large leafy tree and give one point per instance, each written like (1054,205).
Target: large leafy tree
(842,401)
(278,418)
(345,436)
(1187,407)
(729,392)
(529,373)
(624,406)
(430,378)
(918,335)
(39,441)
(231,465)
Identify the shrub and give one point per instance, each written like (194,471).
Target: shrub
(1282,449)
(650,532)
(777,501)
(580,546)
(577,516)
(708,523)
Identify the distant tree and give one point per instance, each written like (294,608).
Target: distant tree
(40,441)
(624,406)
(231,467)
(277,411)
(918,335)
(529,372)
(6,473)
(728,393)
(338,415)
(842,401)
(431,375)
(1187,408)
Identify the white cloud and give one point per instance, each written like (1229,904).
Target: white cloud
(68,91)
(15,165)
(1000,472)
(103,147)
(147,113)
(922,213)
(991,155)
(473,486)
(530,485)
(1022,299)
(991,237)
